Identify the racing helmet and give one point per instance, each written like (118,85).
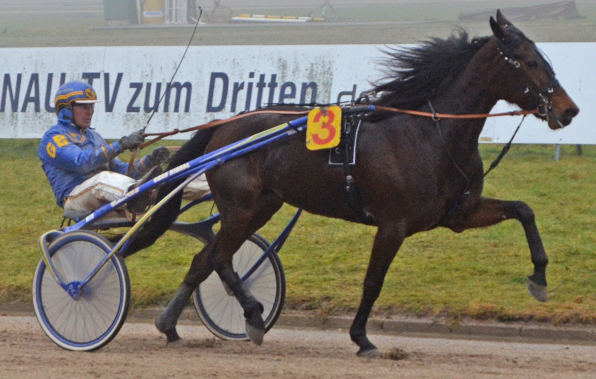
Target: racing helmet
(70,93)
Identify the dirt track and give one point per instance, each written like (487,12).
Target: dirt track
(139,351)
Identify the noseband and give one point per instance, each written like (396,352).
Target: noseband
(543,100)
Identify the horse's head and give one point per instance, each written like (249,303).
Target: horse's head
(532,80)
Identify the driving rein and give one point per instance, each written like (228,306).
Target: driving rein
(302,113)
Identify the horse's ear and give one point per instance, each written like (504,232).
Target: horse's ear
(502,20)
(497,29)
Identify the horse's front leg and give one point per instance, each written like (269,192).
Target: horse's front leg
(492,211)
(388,240)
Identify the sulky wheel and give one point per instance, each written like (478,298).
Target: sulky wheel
(100,308)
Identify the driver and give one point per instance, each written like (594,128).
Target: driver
(81,167)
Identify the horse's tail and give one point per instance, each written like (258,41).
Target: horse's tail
(164,217)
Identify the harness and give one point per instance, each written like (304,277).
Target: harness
(345,155)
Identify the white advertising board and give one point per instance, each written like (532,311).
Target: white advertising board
(217,82)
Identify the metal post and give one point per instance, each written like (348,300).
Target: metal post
(138,3)
(167,17)
(557,152)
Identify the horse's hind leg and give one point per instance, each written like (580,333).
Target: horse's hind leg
(388,240)
(211,257)
(264,209)
(492,211)
(167,320)
(203,264)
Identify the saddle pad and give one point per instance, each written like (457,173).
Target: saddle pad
(349,140)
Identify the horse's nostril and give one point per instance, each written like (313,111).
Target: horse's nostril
(568,115)
(571,112)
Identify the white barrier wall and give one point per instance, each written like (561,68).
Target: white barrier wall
(218,82)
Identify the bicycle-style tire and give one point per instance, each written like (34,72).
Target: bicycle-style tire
(94,319)
(217,307)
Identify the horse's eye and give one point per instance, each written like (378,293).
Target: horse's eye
(532,64)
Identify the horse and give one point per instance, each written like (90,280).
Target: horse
(413,173)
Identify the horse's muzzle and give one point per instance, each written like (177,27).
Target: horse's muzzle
(561,120)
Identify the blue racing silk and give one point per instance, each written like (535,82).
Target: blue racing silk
(69,157)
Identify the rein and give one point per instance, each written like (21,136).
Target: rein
(461,116)
(469,182)
(214,123)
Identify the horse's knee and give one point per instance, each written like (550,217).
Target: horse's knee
(523,212)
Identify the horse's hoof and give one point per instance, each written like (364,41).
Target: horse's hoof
(172,334)
(177,343)
(539,291)
(369,353)
(255,334)
(254,325)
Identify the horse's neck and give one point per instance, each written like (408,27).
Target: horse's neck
(470,94)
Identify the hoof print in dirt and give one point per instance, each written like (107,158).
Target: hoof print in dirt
(396,354)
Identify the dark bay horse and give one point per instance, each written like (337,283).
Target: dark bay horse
(413,173)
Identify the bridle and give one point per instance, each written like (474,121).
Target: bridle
(543,98)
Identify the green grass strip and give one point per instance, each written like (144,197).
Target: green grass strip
(479,273)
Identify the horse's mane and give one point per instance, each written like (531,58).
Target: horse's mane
(417,74)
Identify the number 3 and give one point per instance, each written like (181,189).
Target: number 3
(325,125)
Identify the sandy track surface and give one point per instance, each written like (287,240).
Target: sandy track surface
(139,351)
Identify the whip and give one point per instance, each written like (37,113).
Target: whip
(134,151)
